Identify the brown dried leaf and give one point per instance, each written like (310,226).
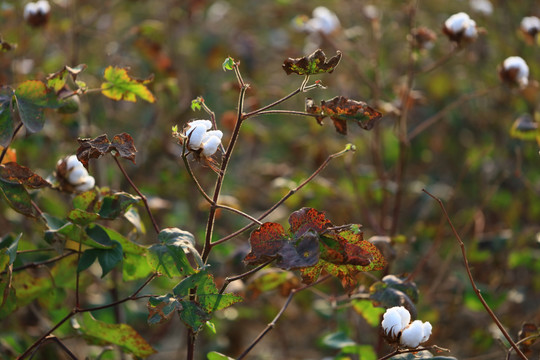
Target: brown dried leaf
(122,145)
(18,174)
(315,63)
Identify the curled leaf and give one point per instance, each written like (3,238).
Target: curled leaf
(315,63)
(18,174)
(122,145)
(340,110)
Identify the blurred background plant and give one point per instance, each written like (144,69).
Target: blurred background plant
(450,125)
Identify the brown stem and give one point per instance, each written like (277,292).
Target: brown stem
(60,344)
(471,280)
(145,201)
(272,324)
(41,263)
(404,351)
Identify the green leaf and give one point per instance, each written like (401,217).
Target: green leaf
(228,64)
(99,235)
(421,355)
(17,198)
(211,326)
(8,298)
(8,246)
(120,86)
(196,104)
(85,201)
(161,308)
(193,315)
(169,261)
(176,239)
(108,259)
(57,80)
(525,128)
(214,355)
(87,259)
(393,291)
(6,121)
(117,334)
(116,204)
(32,97)
(370,313)
(135,266)
(81,217)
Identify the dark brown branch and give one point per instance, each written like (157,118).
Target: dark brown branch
(471,280)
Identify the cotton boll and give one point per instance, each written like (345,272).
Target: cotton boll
(206,123)
(391,323)
(426,327)
(412,335)
(196,135)
(29,10)
(519,66)
(43,7)
(530,24)
(209,134)
(457,22)
(324,20)
(86,185)
(210,146)
(470,29)
(77,175)
(72,162)
(405,316)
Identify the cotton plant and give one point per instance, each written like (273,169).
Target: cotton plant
(530,27)
(515,71)
(397,328)
(73,175)
(460,28)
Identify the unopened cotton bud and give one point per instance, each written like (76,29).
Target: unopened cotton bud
(77,175)
(196,134)
(87,184)
(210,146)
(412,335)
(391,323)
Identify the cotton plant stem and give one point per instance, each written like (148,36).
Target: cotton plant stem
(471,279)
(405,351)
(272,324)
(284,198)
(143,198)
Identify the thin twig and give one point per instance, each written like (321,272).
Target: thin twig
(59,343)
(272,324)
(230,279)
(41,263)
(284,198)
(404,351)
(143,198)
(469,274)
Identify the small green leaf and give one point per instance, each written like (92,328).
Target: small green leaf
(6,120)
(196,104)
(214,355)
(211,326)
(228,64)
(338,340)
(370,313)
(120,86)
(8,246)
(118,334)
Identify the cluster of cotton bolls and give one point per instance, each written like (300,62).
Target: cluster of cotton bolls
(37,13)
(201,138)
(397,326)
(75,174)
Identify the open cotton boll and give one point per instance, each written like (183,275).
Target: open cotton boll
(30,9)
(530,24)
(405,316)
(210,145)
(77,175)
(86,185)
(72,162)
(412,335)
(470,30)
(391,323)
(206,123)
(196,135)
(43,6)
(209,134)
(457,22)
(323,20)
(519,65)
(426,327)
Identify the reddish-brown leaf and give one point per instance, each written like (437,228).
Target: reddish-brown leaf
(18,174)
(340,110)
(122,144)
(266,241)
(308,218)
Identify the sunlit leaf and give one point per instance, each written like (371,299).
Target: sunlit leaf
(196,104)
(214,355)
(228,64)
(528,335)
(341,110)
(180,240)
(315,63)
(269,279)
(114,205)
(8,248)
(370,313)
(525,128)
(169,256)
(119,85)
(135,266)
(122,335)
(161,308)
(57,80)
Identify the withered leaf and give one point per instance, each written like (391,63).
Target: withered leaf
(122,145)
(312,244)
(18,174)
(340,110)
(315,63)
